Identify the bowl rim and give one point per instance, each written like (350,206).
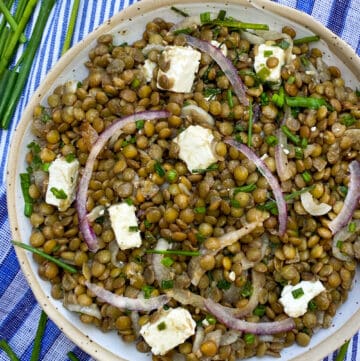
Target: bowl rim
(348,56)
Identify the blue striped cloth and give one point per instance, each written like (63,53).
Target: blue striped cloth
(19,311)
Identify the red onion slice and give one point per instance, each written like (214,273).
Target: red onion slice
(127,303)
(274,184)
(85,228)
(351,200)
(281,159)
(342,236)
(224,63)
(260,328)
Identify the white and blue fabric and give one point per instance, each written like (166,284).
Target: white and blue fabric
(19,311)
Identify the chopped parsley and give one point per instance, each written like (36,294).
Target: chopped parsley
(223,284)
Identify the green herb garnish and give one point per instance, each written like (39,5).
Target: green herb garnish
(299,292)
(147,289)
(159,169)
(171,175)
(306,39)
(294,138)
(246,188)
(306,177)
(200,210)
(58,193)
(352,227)
(247,289)
(161,326)
(205,17)
(271,140)
(179,11)
(140,124)
(167,261)
(259,310)
(70,157)
(25,185)
(223,284)
(210,319)
(210,168)
(173,252)
(249,338)
(268,53)
(166,284)
(133,228)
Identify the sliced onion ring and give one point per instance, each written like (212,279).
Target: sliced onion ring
(127,303)
(85,228)
(274,184)
(199,115)
(315,209)
(343,235)
(351,200)
(224,63)
(260,328)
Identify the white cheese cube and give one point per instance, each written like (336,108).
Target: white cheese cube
(148,69)
(170,329)
(196,149)
(264,52)
(63,177)
(183,65)
(295,299)
(124,224)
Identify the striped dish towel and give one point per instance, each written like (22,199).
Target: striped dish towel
(19,312)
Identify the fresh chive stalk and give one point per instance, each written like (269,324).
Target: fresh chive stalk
(8,350)
(9,18)
(37,251)
(305,102)
(13,41)
(230,98)
(271,140)
(294,138)
(25,185)
(35,354)
(9,77)
(239,24)
(205,17)
(29,53)
(247,188)
(70,29)
(179,11)
(173,252)
(342,351)
(306,40)
(72,356)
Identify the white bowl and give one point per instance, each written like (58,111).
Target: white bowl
(128,26)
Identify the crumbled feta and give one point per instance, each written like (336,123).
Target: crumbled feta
(232,276)
(221,46)
(148,69)
(63,177)
(183,65)
(295,299)
(196,148)
(169,330)
(125,225)
(269,74)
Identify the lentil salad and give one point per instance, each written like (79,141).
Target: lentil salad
(207,197)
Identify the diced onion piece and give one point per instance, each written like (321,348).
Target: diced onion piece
(186,297)
(342,236)
(351,200)
(260,328)
(92,310)
(224,63)
(274,184)
(198,115)
(189,22)
(281,160)
(161,272)
(229,337)
(85,228)
(127,303)
(95,213)
(315,209)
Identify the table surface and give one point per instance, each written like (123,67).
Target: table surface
(19,311)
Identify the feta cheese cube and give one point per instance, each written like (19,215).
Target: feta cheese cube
(183,65)
(295,299)
(196,148)
(169,330)
(63,177)
(124,224)
(148,69)
(264,52)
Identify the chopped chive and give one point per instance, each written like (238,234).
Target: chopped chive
(306,39)
(268,53)
(210,168)
(249,338)
(35,354)
(166,284)
(283,44)
(299,154)
(305,102)
(342,351)
(8,350)
(250,126)
(129,201)
(343,190)
(135,83)
(247,188)
(45,167)
(200,210)
(167,261)
(279,98)
(299,292)
(259,310)
(133,228)
(239,25)
(221,15)
(70,157)
(147,224)
(173,252)
(247,289)
(171,175)
(271,140)
(264,99)
(352,227)
(71,26)
(263,73)
(234,203)
(179,11)
(339,244)
(312,305)
(72,356)
(200,237)
(159,169)
(182,31)
(348,120)
(161,326)
(37,251)
(147,289)
(291,80)
(294,138)
(230,98)
(25,185)
(140,124)
(58,193)
(223,284)
(205,17)
(303,143)
(306,177)
(210,319)
(211,92)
